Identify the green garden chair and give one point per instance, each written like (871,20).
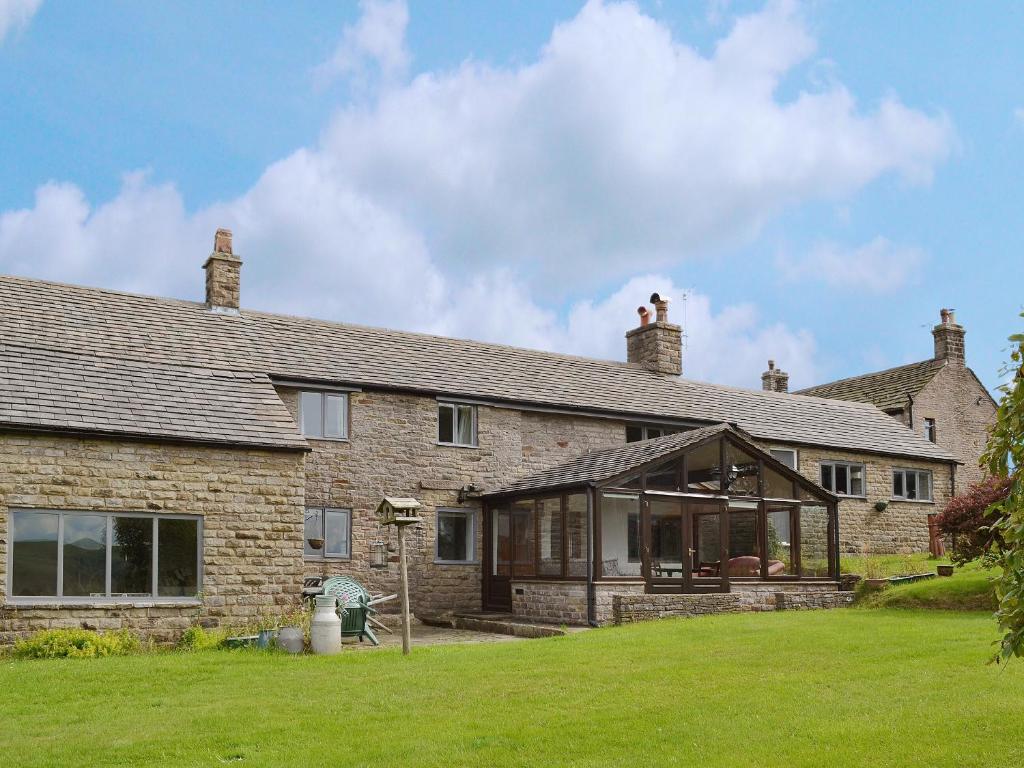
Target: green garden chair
(355,606)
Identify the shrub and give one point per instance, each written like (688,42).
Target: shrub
(76,644)
(968,520)
(196,638)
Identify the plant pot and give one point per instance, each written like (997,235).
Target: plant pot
(944,570)
(267,638)
(876,584)
(291,639)
(316,543)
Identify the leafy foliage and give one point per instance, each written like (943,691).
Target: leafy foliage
(968,520)
(1005,456)
(196,638)
(76,644)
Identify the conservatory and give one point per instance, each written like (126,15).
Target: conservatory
(702,511)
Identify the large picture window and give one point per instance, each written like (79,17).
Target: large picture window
(81,555)
(331,530)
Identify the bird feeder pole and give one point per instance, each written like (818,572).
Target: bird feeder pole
(401,512)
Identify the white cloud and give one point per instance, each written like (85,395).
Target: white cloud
(476,202)
(1018,115)
(878,266)
(16,14)
(376,39)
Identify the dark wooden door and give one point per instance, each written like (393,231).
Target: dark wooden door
(497,561)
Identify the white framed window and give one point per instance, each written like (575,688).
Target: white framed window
(78,556)
(328,533)
(456,424)
(912,484)
(456,536)
(637,432)
(930,433)
(843,478)
(787,456)
(324,415)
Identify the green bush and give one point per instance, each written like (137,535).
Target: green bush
(196,638)
(76,644)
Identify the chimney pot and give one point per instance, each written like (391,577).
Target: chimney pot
(222,241)
(223,274)
(645,315)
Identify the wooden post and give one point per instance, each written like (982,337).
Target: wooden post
(403,566)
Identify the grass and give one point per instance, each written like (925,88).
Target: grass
(817,688)
(968,589)
(891,565)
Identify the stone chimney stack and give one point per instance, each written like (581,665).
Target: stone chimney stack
(774,380)
(656,346)
(949,339)
(223,274)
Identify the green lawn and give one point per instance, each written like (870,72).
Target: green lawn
(891,565)
(821,688)
(970,588)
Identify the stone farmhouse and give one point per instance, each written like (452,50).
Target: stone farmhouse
(164,462)
(941,398)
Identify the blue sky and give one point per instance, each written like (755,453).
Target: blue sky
(817,179)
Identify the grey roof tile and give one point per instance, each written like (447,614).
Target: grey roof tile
(886,389)
(107,325)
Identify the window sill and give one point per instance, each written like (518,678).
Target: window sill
(901,500)
(338,559)
(455,445)
(102,603)
(845,496)
(328,439)
(456,562)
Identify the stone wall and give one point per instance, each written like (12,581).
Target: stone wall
(555,602)
(251,502)
(630,608)
(903,526)
(392,450)
(963,413)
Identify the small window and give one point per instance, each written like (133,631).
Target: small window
(83,555)
(324,415)
(929,430)
(843,478)
(912,484)
(638,432)
(456,424)
(785,456)
(456,536)
(330,530)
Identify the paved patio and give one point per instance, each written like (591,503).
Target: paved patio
(424,635)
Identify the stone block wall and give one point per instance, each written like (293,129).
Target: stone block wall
(903,526)
(392,450)
(555,602)
(251,502)
(963,413)
(630,608)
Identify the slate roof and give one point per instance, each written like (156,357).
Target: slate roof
(887,389)
(604,465)
(170,332)
(69,391)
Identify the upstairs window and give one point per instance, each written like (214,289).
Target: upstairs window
(929,430)
(843,478)
(324,415)
(638,432)
(785,456)
(456,424)
(912,484)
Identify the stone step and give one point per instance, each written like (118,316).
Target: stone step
(495,623)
